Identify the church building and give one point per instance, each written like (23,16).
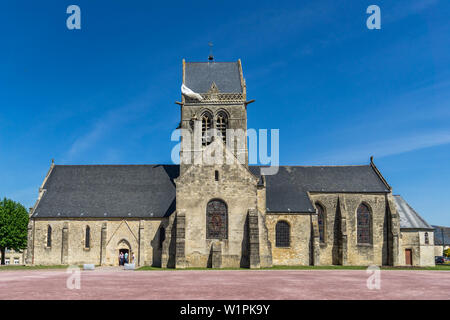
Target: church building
(222,215)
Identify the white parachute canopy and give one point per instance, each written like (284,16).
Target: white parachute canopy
(189,93)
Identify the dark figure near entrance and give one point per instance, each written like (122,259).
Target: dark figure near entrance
(121,259)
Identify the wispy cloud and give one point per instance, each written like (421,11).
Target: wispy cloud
(385,148)
(104,126)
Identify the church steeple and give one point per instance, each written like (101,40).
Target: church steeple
(215,100)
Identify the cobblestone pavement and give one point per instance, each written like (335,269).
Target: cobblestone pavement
(254,285)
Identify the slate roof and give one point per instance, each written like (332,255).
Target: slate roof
(149,190)
(200,75)
(287,190)
(441,233)
(117,190)
(409,218)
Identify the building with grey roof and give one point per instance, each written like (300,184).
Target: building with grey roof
(417,236)
(441,240)
(225,213)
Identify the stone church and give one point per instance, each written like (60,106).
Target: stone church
(225,215)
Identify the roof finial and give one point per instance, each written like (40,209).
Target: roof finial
(53,161)
(211,56)
(371,159)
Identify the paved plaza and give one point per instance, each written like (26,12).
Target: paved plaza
(113,283)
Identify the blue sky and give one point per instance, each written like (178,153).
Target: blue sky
(337,91)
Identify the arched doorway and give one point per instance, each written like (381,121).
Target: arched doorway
(123,249)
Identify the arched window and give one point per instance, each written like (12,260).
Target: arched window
(87,239)
(49,236)
(222,125)
(363,224)
(282,234)
(206,125)
(216,220)
(162,236)
(321,221)
(427,239)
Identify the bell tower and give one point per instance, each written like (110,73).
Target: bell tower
(213,101)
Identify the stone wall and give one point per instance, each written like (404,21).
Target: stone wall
(237,187)
(106,237)
(237,119)
(298,253)
(340,241)
(422,253)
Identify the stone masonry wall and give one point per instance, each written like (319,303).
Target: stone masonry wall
(422,254)
(237,188)
(140,236)
(298,253)
(333,251)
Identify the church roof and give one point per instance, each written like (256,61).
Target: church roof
(105,191)
(287,190)
(441,235)
(138,191)
(199,76)
(409,218)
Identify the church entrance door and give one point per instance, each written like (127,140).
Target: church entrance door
(123,249)
(408,257)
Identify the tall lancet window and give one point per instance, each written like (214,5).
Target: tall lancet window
(363,224)
(206,125)
(222,125)
(321,221)
(87,240)
(49,236)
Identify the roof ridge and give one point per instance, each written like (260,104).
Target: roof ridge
(305,166)
(113,165)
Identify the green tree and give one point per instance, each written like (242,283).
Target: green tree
(13,226)
(447,252)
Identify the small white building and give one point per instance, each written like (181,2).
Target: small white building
(417,236)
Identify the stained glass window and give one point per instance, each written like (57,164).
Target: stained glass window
(49,236)
(282,234)
(363,224)
(216,220)
(321,220)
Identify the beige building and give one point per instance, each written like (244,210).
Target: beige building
(229,214)
(14,257)
(416,236)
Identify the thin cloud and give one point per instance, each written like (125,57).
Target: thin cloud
(113,119)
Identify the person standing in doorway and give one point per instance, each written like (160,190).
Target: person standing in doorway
(133,258)
(121,259)
(126,257)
